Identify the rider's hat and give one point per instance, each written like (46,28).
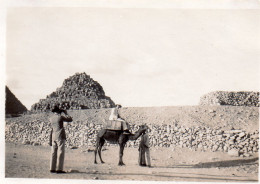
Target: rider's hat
(118,105)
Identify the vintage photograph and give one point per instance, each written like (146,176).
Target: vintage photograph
(144,94)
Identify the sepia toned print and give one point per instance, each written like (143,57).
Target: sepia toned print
(142,94)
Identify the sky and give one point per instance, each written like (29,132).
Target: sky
(141,56)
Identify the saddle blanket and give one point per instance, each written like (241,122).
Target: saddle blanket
(113,125)
(116,125)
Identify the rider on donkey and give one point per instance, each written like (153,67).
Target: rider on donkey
(114,116)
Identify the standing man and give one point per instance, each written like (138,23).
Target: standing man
(58,138)
(144,150)
(115,116)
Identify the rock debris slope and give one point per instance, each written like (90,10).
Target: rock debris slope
(206,128)
(224,121)
(241,98)
(77,92)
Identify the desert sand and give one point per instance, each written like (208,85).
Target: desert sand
(169,164)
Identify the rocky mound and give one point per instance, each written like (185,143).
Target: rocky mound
(77,92)
(241,98)
(208,128)
(13,106)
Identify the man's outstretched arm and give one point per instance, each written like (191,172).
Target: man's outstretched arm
(67,117)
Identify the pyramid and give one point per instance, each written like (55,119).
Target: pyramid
(12,105)
(77,92)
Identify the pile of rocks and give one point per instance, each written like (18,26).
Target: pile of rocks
(241,98)
(32,131)
(205,138)
(83,133)
(77,92)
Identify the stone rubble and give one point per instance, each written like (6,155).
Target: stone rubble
(81,133)
(77,92)
(242,98)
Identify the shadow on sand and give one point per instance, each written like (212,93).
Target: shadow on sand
(227,163)
(187,176)
(190,176)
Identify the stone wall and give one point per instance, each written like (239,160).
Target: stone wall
(241,98)
(80,133)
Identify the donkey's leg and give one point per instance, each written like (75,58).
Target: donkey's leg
(121,153)
(95,152)
(101,143)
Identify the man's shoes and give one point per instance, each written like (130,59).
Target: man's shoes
(52,171)
(60,172)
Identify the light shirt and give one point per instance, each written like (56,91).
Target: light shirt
(114,114)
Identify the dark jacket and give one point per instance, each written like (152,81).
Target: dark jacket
(144,143)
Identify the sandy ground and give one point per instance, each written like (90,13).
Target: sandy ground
(178,164)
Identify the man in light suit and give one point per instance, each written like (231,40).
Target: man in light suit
(57,139)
